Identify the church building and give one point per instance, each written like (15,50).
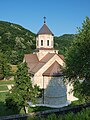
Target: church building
(45,67)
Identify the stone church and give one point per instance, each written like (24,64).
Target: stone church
(45,67)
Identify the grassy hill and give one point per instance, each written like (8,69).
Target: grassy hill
(15,41)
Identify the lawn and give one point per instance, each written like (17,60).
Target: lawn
(4,110)
(2,88)
(4,82)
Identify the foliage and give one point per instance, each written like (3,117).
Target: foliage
(80,91)
(15,41)
(83,115)
(63,42)
(23,91)
(4,67)
(78,59)
(3,110)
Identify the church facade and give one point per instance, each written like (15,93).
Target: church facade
(46,69)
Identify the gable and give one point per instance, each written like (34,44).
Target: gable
(48,63)
(54,70)
(35,66)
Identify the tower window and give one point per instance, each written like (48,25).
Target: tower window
(41,42)
(47,42)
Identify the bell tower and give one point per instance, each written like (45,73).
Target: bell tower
(44,37)
(44,41)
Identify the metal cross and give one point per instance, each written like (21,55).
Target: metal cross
(44,19)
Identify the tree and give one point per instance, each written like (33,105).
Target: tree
(23,91)
(4,66)
(78,58)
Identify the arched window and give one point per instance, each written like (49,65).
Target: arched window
(47,42)
(41,42)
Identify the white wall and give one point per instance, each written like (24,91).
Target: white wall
(44,37)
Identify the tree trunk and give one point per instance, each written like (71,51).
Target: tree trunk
(25,109)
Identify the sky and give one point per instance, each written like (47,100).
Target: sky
(62,16)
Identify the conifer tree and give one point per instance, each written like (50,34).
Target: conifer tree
(23,91)
(4,67)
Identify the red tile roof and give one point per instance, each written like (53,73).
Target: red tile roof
(54,70)
(44,30)
(61,56)
(47,57)
(31,58)
(34,64)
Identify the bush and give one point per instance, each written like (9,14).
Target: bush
(1,76)
(12,104)
(83,115)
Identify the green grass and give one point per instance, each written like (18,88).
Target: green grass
(36,109)
(2,88)
(82,115)
(5,111)
(3,82)
(39,108)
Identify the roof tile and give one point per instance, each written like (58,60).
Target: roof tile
(54,70)
(45,30)
(34,64)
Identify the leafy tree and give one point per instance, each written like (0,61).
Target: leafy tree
(23,91)
(78,59)
(15,39)
(4,66)
(63,42)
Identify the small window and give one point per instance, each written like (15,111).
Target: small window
(41,42)
(47,42)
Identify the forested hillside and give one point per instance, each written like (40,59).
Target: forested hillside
(63,42)
(15,41)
